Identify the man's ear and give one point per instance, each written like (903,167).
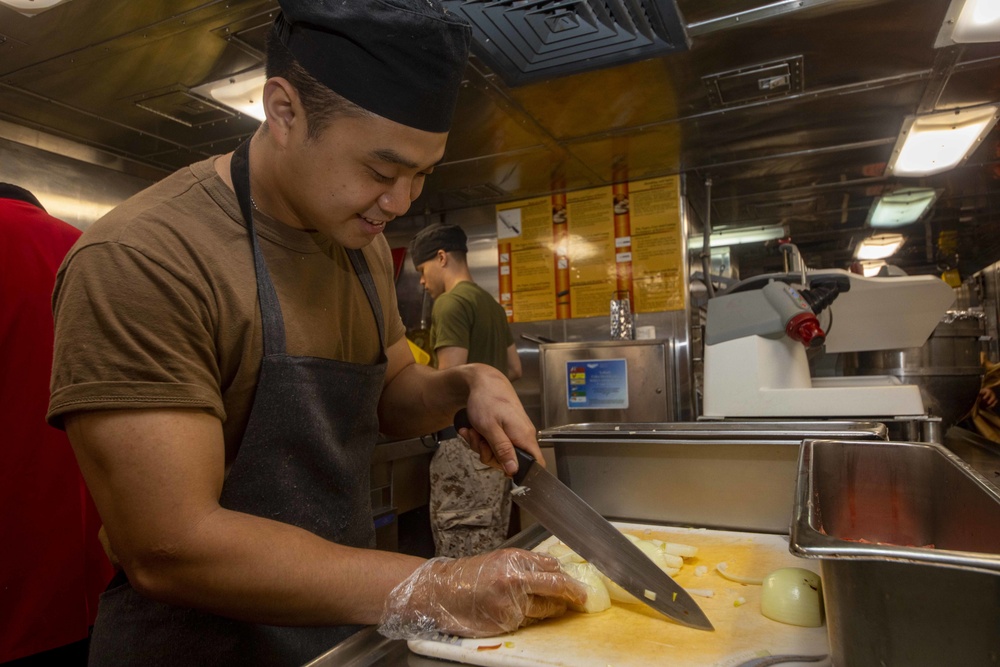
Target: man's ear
(282,108)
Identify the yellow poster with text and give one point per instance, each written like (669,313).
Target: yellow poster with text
(525,227)
(591,252)
(657,252)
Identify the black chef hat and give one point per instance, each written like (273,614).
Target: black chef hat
(400,59)
(432,238)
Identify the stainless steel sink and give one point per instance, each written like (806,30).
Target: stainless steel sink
(731,475)
(909,537)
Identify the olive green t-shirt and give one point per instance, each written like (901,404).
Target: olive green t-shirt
(468,316)
(156,304)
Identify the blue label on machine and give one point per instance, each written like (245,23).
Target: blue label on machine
(597,384)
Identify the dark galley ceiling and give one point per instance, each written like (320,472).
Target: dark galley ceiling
(778,113)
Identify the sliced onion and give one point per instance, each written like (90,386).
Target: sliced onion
(617,593)
(793,595)
(722,568)
(682,550)
(564,554)
(598,598)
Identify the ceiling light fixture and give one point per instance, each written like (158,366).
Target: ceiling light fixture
(242,92)
(739,236)
(937,142)
(902,207)
(871,267)
(879,246)
(970,22)
(31,7)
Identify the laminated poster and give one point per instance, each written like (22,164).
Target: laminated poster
(567,255)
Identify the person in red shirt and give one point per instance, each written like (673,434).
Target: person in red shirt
(52,566)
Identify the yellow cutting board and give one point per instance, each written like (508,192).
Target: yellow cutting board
(637,636)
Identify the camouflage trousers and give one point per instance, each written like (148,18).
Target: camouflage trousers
(470,503)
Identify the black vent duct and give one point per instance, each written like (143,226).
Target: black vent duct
(529,40)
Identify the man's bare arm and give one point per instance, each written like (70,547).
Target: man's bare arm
(513,363)
(156,476)
(417,399)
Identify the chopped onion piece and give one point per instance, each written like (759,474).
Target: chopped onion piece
(617,593)
(649,595)
(722,568)
(682,550)
(564,554)
(701,592)
(740,601)
(700,571)
(598,598)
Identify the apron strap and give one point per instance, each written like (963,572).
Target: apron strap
(270,310)
(365,276)
(271,318)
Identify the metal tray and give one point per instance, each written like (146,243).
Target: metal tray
(796,430)
(909,537)
(732,475)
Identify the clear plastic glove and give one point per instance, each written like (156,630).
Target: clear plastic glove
(478,596)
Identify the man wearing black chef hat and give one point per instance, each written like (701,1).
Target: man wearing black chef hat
(223,383)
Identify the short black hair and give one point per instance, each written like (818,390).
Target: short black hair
(11,191)
(321,104)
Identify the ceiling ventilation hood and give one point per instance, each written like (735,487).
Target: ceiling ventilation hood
(529,40)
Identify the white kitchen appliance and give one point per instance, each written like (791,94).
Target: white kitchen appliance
(757,333)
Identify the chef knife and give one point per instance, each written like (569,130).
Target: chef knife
(590,535)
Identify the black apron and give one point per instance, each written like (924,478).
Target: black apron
(304,460)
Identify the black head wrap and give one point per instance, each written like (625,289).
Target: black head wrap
(401,59)
(439,236)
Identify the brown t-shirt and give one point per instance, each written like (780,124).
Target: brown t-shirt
(156,305)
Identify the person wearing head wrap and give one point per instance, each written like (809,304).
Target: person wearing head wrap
(469,501)
(228,348)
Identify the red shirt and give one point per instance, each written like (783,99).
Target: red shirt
(52,567)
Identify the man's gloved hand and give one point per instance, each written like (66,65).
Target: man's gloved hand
(478,596)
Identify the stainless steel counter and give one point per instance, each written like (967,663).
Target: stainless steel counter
(732,474)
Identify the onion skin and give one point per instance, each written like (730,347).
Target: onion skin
(793,595)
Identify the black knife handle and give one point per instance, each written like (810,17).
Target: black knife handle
(524,459)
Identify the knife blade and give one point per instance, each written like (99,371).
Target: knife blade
(590,535)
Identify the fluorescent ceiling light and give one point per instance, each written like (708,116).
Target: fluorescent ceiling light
(242,92)
(879,246)
(902,207)
(935,143)
(738,236)
(31,7)
(872,267)
(969,22)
